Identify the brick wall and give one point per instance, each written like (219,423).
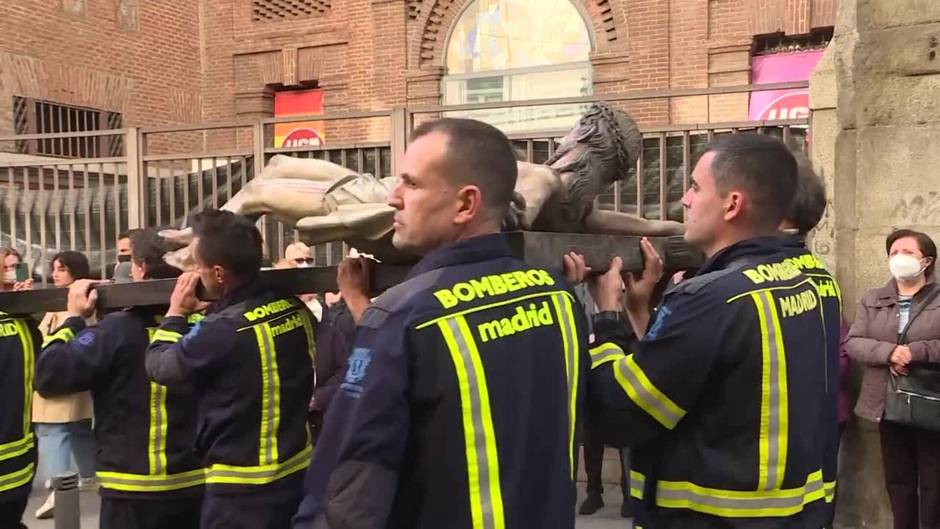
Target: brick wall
(165,61)
(140,58)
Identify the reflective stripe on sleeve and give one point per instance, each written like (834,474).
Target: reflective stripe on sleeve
(604,353)
(644,394)
(163,335)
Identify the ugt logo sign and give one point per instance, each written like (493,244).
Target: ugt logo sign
(792,105)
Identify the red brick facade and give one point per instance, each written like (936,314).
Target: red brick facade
(163,61)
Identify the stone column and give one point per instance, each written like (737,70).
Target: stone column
(875,137)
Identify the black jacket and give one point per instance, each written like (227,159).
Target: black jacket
(144,431)
(19,337)
(725,397)
(453,374)
(251,363)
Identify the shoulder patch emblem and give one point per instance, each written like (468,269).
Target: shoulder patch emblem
(657,326)
(356,369)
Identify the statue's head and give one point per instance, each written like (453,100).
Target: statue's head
(604,145)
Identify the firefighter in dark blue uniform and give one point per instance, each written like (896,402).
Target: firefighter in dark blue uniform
(723,396)
(149,474)
(455,370)
(19,338)
(804,214)
(251,362)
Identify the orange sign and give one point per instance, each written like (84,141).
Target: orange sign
(300,133)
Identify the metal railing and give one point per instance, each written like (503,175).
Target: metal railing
(163,174)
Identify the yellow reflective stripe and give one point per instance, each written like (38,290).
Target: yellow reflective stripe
(163,335)
(774,421)
(17,479)
(637,484)
(308,330)
(645,395)
(29,373)
(739,504)
(64,334)
(486,501)
(17,448)
(195,317)
(830,488)
(260,474)
(149,482)
(570,342)
(605,352)
(270,396)
(156,441)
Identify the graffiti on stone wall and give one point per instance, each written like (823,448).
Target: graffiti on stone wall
(917,209)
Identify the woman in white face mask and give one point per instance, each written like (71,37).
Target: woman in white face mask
(10,258)
(897,326)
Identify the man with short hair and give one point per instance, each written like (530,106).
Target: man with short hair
(122,269)
(149,476)
(251,362)
(723,395)
(453,371)
(807,209)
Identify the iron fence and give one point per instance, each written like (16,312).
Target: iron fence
(159,176)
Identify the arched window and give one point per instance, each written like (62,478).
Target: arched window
(513,50)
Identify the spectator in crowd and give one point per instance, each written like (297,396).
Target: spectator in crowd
(10,258)
(593,449)
(299,255)
(122,269)
(63,423)
(898,325)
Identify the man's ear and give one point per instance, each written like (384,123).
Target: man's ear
(469,204)
(734,205)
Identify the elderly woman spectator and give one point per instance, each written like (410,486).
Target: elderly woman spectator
(63,424)
(898,326)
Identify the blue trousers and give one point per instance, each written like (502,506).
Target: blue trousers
(59,442)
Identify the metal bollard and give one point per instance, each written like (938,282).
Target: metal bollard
(68,511)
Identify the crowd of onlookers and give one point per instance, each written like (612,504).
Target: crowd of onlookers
(64,425)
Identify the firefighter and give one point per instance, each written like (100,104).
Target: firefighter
(724,394)
(459,404)
(251,363)
(807,209)
(19,336)
(149,475)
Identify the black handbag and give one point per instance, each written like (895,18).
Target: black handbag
(914,400)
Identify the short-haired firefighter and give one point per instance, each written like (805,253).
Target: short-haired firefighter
(251,362)
(724,394)
(150,477)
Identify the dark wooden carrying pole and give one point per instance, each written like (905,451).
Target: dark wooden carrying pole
(536,248)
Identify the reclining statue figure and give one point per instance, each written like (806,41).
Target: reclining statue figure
(326,202)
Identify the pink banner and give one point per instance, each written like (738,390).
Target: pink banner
(781,68)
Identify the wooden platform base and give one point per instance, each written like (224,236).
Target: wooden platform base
(536,248)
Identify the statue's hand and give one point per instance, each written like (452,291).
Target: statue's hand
(515,216)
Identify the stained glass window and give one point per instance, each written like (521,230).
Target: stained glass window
(513,50)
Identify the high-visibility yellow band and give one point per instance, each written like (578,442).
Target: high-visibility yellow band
(150,482)
(64,334)
(17,448)
(29,373)
(734,503)
(270,396)
(486,500)
(571,345)
(774,420)
(17,479)
(604,353)
(644,394)
(260,474)
(156,441)
(830,488)
(163,335)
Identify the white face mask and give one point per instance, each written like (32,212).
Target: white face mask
(9,277)
(905,266)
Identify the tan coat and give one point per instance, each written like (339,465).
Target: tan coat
(67,408)
(874,336)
